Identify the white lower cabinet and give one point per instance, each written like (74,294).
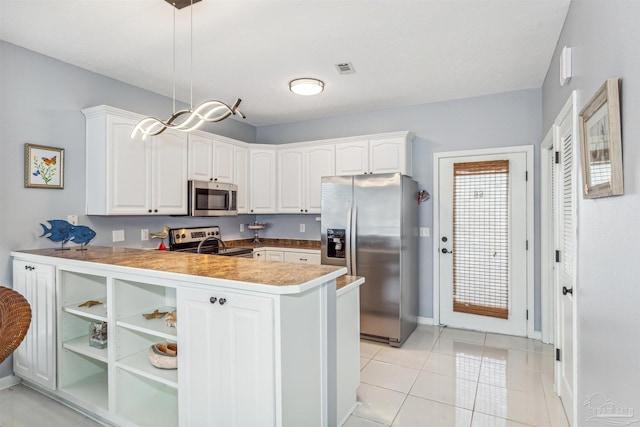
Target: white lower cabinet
(227,376)
(245,358)
(274,255)
(302,257)
(35,359)
(287,255)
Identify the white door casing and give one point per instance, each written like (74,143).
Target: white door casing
(520,321)
(548,176)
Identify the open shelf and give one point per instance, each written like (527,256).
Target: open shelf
(81,345)
(95,312)
(139,364)
(144,402)
(85,378)
(156,327)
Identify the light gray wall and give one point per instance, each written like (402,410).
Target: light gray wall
(507,119)
(40,103)
(604,36)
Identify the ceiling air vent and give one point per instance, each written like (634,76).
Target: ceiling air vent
(345,68)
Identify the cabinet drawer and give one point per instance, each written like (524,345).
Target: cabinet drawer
(302,257)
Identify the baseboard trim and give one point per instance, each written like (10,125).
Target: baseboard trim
(9,381)
(425,321)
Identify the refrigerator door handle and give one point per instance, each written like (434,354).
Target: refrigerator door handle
(354,241)
(348,239)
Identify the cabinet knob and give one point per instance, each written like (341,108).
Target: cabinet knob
(306,210)
(213,300)
(29,267)
(150,210)
(303,259)
(301,210)
(210,179)
(222,301)
(155,210)
(215,179)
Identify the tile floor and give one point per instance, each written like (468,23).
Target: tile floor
(452,377)
(440,377)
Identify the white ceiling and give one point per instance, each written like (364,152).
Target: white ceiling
(405,52)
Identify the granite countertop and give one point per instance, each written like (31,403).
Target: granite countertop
(346,280)
(207,266)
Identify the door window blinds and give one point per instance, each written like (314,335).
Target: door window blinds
(481,238)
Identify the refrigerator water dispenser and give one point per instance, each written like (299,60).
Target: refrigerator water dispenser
(335,243)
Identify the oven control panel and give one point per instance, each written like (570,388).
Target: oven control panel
(182,236)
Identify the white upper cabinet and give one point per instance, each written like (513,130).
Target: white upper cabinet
(352,158)
(133,177)
(262,180)
(169,173)
(223,162)
(291,180)
(200,158)
(130,176)
(210,159)
(319,161)
(300,172)
(377,154)
(390,155)
(241,178)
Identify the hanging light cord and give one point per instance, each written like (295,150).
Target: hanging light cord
(186,120)
(174,57)
(191,42)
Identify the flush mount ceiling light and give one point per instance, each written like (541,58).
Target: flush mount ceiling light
(306,86)
(186,120)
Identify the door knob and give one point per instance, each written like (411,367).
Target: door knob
(446,251)
(567,291)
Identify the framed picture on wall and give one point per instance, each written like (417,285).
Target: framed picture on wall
(601,143)
(43,167)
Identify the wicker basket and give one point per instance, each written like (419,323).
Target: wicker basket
(15,318)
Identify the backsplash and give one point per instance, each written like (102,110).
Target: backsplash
(287,226)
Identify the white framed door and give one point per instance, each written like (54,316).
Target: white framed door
(565,223)
(483,255)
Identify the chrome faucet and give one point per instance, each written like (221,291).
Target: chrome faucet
(224,247)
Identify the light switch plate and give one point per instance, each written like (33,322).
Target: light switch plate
(144,234)
(302,227)
(424,231)
(241,228)
(72,219)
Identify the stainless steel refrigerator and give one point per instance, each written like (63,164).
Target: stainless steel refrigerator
(369,224)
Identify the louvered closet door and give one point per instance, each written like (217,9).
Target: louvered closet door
(565,278)
(483,262)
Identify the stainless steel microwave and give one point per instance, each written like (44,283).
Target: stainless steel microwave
(212,199)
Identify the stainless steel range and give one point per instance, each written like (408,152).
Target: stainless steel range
(206,240)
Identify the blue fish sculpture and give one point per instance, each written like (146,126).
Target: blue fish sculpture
(59,232)
(81,234)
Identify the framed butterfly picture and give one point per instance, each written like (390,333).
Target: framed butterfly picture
(43,167)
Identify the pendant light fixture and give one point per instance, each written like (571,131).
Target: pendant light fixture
(211,111)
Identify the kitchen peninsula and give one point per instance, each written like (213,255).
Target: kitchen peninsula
(256,340)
